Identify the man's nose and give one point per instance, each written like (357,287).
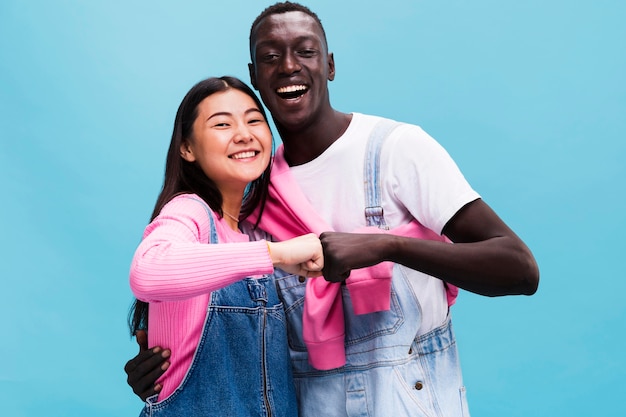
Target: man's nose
(290,64)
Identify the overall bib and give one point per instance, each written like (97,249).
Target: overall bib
(389,372)
(241,366)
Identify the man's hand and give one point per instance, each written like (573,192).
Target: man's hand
(344,252)
(145,368)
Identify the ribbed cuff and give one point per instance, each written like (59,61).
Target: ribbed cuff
(371,295)
(327,355)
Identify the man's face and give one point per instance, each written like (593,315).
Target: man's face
(291,68)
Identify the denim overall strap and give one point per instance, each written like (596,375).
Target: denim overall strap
(241,366)
(213,232)
(371,173)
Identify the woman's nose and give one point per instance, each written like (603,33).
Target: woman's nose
(243,134)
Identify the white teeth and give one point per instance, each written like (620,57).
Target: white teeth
(243,155)
(291,89)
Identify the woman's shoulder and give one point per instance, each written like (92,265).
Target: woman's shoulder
(184,213)
(187,205)
(187,200)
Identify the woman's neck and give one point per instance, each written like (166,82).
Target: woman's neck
(231,206)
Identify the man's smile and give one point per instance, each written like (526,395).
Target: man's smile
(292,91)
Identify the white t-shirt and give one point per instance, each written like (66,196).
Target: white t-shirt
(419,180)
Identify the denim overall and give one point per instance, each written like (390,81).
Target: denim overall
(241,365)
(389,372)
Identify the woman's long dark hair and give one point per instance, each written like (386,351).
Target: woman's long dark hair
(182,176)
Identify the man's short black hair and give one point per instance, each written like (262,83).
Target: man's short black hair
(285,7)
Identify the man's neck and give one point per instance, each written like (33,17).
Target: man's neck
(304,145)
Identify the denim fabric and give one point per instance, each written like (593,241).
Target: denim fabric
(388,371)
(241,366)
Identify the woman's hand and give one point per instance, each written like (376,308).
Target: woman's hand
(300,256)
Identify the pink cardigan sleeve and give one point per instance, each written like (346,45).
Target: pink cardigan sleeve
(173,261)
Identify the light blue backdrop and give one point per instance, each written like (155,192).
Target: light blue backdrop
(529,97)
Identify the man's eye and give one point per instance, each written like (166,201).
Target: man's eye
(270,57)
(308,52)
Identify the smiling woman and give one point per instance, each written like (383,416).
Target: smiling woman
(231,143)
(181,271)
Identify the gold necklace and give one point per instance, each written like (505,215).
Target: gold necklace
(236,220)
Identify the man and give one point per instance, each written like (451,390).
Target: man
(401,359)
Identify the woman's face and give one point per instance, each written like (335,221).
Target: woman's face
(231,140)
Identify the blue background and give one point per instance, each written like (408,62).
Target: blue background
(529,97)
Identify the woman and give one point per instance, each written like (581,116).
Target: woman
(210,290)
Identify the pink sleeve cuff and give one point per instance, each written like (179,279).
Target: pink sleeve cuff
(370,288)
(326,355)
(451,293)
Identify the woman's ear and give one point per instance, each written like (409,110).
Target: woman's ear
(186,152)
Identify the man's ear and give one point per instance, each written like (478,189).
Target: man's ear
(252,72)
(186,152)
(331,66)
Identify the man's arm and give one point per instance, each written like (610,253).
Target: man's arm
(487,257)
(144,369)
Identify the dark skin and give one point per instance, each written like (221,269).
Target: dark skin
(474,265)
(289,53)
(145,368)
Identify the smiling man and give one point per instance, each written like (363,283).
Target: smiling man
(383,343)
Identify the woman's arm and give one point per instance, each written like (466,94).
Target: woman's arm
(173,261)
